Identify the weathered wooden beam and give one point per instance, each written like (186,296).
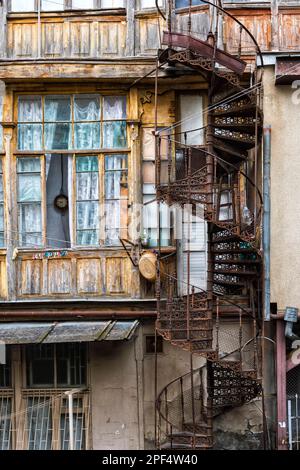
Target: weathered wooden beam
(130,34)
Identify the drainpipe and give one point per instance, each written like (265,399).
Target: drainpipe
(281,386)
(266,220)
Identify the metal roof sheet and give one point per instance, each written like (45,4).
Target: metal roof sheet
(66,332)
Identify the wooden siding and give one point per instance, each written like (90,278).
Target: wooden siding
(79,274)
(61,38)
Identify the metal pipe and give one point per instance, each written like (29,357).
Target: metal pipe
(266,220)
(281,386)
(39,315)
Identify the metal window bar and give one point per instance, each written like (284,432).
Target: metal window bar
(42,420)
(294,422)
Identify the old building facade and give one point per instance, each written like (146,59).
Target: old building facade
(116,128)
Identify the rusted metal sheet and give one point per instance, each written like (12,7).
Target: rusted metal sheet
(287,70)
(205,49)
(66,332)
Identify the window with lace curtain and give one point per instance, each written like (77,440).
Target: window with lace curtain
(58,5)
(73,148)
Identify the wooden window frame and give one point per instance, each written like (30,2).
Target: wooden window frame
(2,175)
(101,188)
(101,153)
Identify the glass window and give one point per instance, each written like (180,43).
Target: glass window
(116,198)
(87,200)
(52,5)
(60,122)
(112,3)
(82,4)
(56,365)
(186,3)
(22,5)
(150,3)
(57,130)
(87,126)
(29,201)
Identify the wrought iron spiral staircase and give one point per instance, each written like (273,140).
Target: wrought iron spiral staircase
(215,176)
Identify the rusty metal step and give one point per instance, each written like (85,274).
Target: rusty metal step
(235,109)
(234,272)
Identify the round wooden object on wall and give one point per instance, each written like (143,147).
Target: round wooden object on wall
(147,266)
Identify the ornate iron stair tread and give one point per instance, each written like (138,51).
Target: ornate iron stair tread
(235,272)
(235,110)
(233,250)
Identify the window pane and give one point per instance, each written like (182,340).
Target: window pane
(87,186)
(1,218)
(87,237)
(112,225)
(87,108)
(30,109)
(87,136)
(1,188)
(39,418)
(82,4)
(5,423)
(186,3)
(58,136)
(78,429)
(87,215)
(57,108)
(87,189)
(30,137)
(29,197)
(116,185)
(114,107)
(52,5)
(150,3)
(30,223)
(29,165)
(114,134)
(22,5)
(112,3)
(29,188)
(86,164)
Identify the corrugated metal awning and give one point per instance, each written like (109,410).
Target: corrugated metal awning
(66,332)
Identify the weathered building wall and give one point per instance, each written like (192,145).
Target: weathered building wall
(282,112)
(123,389)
